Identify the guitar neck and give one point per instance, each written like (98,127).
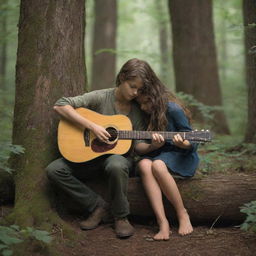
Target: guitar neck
(144,135)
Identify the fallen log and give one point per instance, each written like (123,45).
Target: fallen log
(207,198)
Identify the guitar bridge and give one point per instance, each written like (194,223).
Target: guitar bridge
(87,138)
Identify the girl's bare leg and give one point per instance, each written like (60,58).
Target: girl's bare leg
(154,194)
(171,191)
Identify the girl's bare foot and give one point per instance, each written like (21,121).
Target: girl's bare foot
(185,227)
(164,232)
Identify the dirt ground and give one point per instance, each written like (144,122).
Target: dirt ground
(203,241)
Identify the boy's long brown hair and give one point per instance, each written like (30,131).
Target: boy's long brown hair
(152,88)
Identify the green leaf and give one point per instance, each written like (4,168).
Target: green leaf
(8,236)
(244,226)
(8,240)
(29,229)
(15,227)
(3,246)
(250,221)
(7,252)
(43,236)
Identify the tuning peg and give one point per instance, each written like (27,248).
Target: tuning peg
(202,130)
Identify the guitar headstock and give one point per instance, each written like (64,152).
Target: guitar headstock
(200,136)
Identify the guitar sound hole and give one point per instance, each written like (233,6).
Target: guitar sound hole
(113,132)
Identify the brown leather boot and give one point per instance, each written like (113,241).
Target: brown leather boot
(95,218)
(123,228)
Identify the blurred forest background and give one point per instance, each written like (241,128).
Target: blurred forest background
(206,57)
(137,35)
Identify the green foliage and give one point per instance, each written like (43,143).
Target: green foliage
(6,113)
(227,154)
(10,236)
(205,110)
(5,151)
(211,155)
(250,222)
(40,235)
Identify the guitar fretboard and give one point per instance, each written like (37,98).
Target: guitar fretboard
(137,135)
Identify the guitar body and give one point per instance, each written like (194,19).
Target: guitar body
(79,145)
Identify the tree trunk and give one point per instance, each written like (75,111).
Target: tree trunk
(50,64)
(249,12)
(163,40)
(194,53)
(206,199)
(104,38)
(3,44)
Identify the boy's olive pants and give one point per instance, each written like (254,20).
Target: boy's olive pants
(114,169)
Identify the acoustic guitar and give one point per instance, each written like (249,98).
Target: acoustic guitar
(81,145)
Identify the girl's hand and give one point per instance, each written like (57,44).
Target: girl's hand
(179,142)
(157,141)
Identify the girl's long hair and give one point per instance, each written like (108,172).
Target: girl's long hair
(159,96)
(152,88)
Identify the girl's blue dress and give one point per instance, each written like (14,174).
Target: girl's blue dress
(181,161)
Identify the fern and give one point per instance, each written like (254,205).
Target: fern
(250,222)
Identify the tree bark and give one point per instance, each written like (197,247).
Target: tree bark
(249,12)
(50,64)
(163,39)
(104,37)
(194,53)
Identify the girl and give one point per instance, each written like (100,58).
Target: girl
(161,159)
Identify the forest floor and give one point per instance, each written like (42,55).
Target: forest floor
(203,241)
(102,241)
